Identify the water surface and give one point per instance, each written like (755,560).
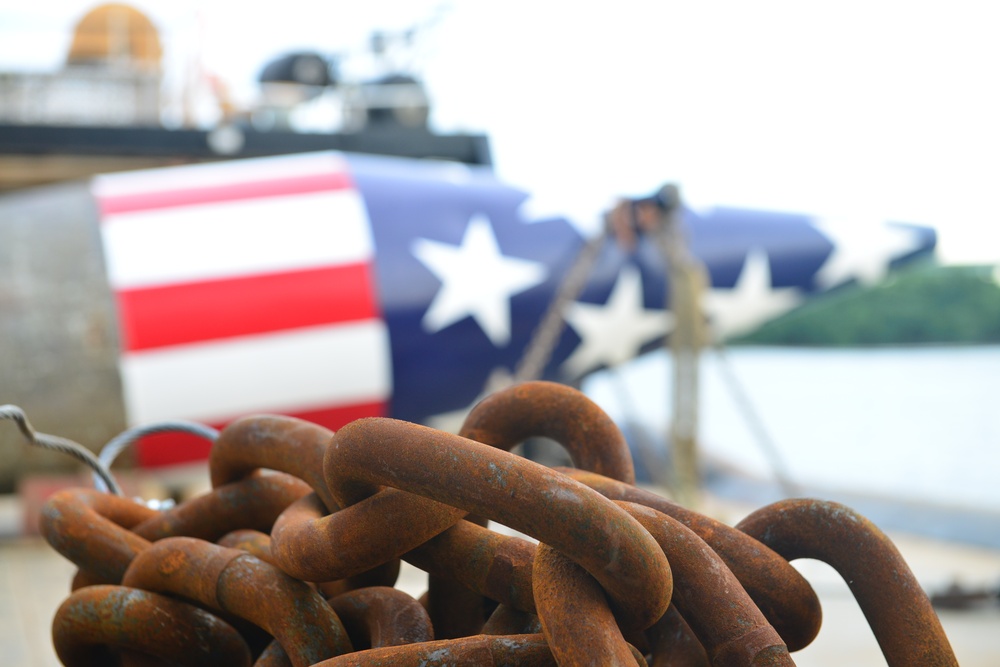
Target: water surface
(913,424)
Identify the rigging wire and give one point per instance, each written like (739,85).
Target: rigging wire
(55,443)
(100,466)
(121,441)
(546,335)
(754,422)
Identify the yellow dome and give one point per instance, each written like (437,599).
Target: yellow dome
(115,33)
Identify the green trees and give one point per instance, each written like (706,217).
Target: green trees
(926,304)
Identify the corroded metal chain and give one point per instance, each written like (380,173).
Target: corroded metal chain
(293,555)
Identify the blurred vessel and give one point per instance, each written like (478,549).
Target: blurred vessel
(104,110)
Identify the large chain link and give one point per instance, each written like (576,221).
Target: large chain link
(292,557)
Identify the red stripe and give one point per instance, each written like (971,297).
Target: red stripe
(191,312)
(173,448)
(144,201)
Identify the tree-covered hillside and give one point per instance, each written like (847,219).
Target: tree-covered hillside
(926,304)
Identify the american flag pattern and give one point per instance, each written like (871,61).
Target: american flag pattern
(244,287)
(326,286)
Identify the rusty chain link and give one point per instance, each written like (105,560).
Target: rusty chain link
(233,581)
(782,594)
(871,565)
(292,557)
(192,636)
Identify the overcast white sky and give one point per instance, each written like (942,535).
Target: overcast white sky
(862,111)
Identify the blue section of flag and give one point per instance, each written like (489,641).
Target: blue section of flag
(440,371)
(437,371)
(721,237)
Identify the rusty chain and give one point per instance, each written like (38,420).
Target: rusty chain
(292,557)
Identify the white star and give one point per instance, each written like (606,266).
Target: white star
(862,252)
(614,332)
(751,301)
(476,280)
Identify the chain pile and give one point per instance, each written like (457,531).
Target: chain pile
(291,559)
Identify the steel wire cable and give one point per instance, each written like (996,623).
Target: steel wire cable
(121,441)
(64,445)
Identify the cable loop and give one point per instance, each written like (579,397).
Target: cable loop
(63,445)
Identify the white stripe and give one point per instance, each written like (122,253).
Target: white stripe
(236,238)
(197,176)
(296,370)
